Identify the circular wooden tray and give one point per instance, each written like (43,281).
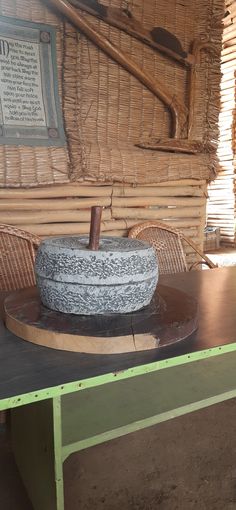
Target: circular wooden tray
(170,318)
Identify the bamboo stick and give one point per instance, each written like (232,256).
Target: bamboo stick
(227,22)
(218,223)
(222,216)
(19,217)
(184,222)
(230,55)
(226,229)
(231,29)
(227,85)
(227,198)
(228,51)
(228,74)
(228,180)
(227,222)
(182,182)
(112,233)
(228,78)
(232,9)
(56,229)
(117,224)
(53,204)
(227,65)
(90,189)
(126,212)
(192,191)
(48,229)
(223,203)
(227,235)
(157,201)
(69,190)
(229,42)
(188,226)
(117,233)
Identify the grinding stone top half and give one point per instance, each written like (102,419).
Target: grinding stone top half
(118,260)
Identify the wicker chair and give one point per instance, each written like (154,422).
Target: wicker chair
(168,243)
(17,254)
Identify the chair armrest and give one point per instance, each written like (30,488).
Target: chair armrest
(202,262)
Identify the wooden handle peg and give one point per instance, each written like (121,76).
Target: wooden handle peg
(95,227)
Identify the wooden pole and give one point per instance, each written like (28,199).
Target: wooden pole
(125,21)
(178,110)
(95,227)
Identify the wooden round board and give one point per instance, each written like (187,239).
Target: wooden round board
(170,318)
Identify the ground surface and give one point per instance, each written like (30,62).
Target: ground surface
(185,464)
(223,257)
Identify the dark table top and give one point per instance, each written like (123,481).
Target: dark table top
(25,367)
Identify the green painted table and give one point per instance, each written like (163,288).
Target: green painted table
(63,402)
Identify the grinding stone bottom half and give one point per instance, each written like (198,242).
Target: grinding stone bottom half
(95,299)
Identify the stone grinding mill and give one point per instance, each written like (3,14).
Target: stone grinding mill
(99,276)
(99,296)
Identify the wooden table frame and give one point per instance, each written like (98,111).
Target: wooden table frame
(50,423)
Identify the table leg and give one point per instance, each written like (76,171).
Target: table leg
(36,440)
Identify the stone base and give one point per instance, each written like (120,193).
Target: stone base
(92,299)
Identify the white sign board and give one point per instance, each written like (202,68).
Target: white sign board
(29,103)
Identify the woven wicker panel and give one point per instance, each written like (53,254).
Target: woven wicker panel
(32,166)
(117,111)
(17,255)
(168,248)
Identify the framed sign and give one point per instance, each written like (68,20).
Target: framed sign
(30,111)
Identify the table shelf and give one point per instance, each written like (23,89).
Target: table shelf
(99,414)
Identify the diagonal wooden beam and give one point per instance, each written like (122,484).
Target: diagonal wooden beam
(178,110)
(158,38)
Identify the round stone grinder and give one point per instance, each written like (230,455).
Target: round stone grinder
(96,276)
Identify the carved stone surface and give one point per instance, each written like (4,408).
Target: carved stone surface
(120,277)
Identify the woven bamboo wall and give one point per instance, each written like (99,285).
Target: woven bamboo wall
(221,203)
(107,111)
(61,210)
(121,112)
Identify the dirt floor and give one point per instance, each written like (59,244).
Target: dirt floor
(184,464)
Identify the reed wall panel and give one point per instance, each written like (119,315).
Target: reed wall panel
(107,112)
(221,202)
